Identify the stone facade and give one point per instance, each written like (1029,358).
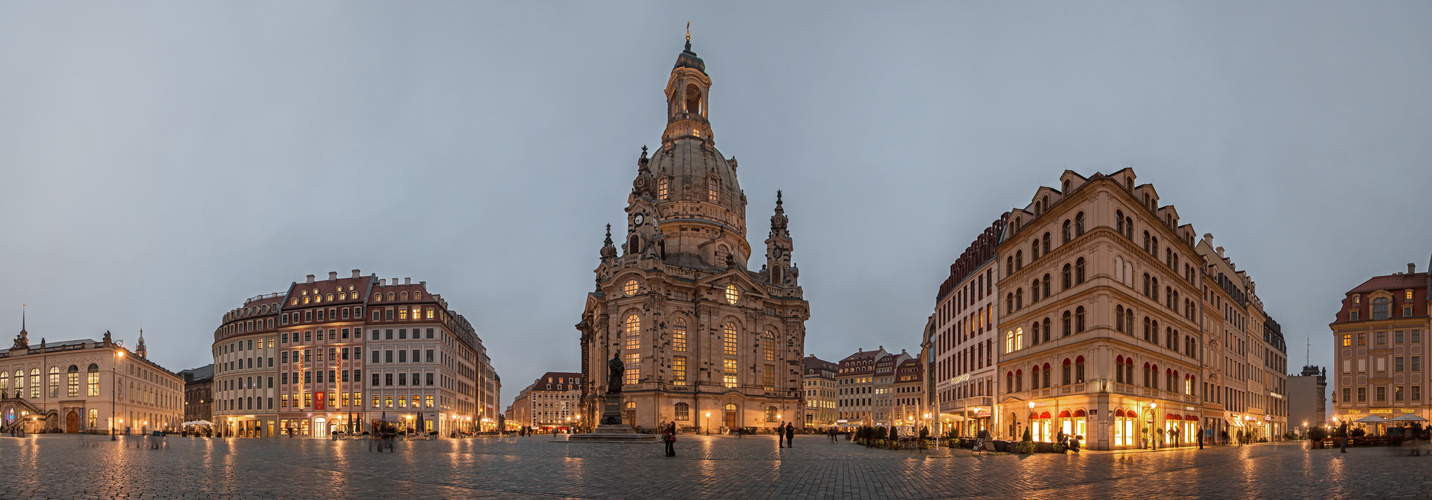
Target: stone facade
(700,334)
(819,387)
(964,337)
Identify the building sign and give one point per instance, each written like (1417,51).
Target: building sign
(318,401)
(963,377)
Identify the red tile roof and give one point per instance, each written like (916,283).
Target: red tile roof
(1392,282)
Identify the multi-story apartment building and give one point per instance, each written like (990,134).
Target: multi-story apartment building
(908,406)
(820,392)
(84,386)
(295,364)
(885,409)
(1379,347)
(855,388)
(1244,355)
(244,352)
(550,403)
(1100,318)
(964,337)
(198,393)
(1308,399)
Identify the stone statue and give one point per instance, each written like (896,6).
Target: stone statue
(615,369)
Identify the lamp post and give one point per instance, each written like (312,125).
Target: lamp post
(1153,420)
(705,422)
(114,388)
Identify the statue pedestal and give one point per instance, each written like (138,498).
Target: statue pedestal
(611,429)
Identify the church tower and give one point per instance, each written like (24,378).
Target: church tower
(698,330)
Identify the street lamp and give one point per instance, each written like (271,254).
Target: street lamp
(113,388)
(1153,443)
(706,422)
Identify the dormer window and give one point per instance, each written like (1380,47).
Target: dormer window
(713,188)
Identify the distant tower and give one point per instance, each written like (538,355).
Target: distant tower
(139,349)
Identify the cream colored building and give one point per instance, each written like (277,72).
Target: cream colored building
(85,386)
(1380,350)
(965,338)
(1101,320)
(820,392)
(707,342)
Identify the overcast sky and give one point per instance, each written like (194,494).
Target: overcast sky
(160,163)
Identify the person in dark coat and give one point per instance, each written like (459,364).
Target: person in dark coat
(670,437)
(790,435)
(1344,436)
(781,436)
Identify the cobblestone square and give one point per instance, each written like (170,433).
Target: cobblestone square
(71,466)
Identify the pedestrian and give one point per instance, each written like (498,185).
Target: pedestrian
(781,436)
(1059,438)
(790,435)
(1344,437)
(1200,438)
(669,436)
(831,431)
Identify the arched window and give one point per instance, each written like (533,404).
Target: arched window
(1034,378)
(1381,308)
(632,353)
(1019,338)
(4,384)
(1119,318)
(661,186)
(1079,271)
(1064,374)
(1009,341)
(693,99)
(1018,259)
(713,189)
(1155,289)
(1009,382)
(1079,370)
(72,381)
(1008,266)
(1147,378)
(1129,370)
(1046,243)
(1068,275)
(1046,375)
(1034,250)
(1119,370)
(1034,291)
(633,247)
(1079,224)
(1129,320)
(1119,221)
(728,339)
(1065,232)
(1066,330)
(91,381)
(1018,299)
(1146,285)
(1066,187)
(1155,253)
(1009,302)
(1079,319)
(1046,329)
(768,345)
(54,381)
(1045,293)
(1146,241)
(683,411)
(1035,339)
(678,335)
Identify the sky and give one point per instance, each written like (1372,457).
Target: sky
(162,162)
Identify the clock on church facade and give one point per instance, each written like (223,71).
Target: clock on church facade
(707,343)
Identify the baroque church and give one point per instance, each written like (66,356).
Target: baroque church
(707,343)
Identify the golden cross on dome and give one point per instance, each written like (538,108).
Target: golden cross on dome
(688,31)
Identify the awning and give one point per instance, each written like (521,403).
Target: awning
(1409,417)
(1173,416)
(1371,419)
(198,422)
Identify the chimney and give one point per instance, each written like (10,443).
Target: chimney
(1209,238)
(1220,252)
(355,273)
(383,282)
(422,283)
(310,279)
(332,275)
(1411,268)
(407,281)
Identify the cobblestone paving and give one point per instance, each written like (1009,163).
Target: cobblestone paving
(67,466)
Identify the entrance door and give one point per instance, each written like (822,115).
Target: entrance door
(731,416)
(72,422)
(320,428)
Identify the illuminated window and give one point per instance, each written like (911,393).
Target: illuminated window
(683,411)
(72,381)
(430,313)
(377,297)
(402,401)
(728,338)
(728,375)
(428,401)
(713,187)
(330,297)
(732,294)
(768,345)
(678,368)
(417,295)
(92,381)
(661,188)
(343,399)
(678,336)
(629,288)
(768,377)
(307,400)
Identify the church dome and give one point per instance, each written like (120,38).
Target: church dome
(693,169)
(689,59)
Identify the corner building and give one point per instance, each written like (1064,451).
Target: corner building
(964,337)
(1099,321)
(706,341)
(1380,347)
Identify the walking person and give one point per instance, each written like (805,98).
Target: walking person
(790,435)
(1200,438)
(781,436)
(670,437)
